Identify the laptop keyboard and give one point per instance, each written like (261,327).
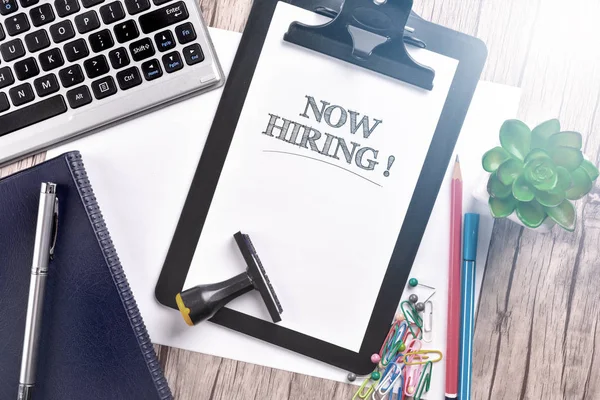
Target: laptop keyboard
(93,48)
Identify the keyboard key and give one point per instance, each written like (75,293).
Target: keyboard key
(42,15)
(32,114)
(112,12)
(141,49)
(151,70)
(185,33)
(12,50)
(37,41)
(91,3)
(126,31)
(161,2)
(62,31)
(119,58)
(172,62)
(136,6)
(8,6)
(26,69)
(51,59)
(20,95)
(71,76)
(104,87)
(2,35)
(101,41)
(129,78)
(76,50)
(96,66)
(6,77)
(46,85)
(164,41)
(4,104)
(28,3)
(193,54)
(16,24)
(79,97)
(163,17)
(87,21)
(66,7)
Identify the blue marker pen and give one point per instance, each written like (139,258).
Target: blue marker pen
(467,312)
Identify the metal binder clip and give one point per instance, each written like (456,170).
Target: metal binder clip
(367,34)
(408,31)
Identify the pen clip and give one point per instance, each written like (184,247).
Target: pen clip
(54,228)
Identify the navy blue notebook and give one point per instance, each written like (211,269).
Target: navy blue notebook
(94,343)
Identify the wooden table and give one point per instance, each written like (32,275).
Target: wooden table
(537,323)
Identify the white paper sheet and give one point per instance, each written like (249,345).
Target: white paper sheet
(324,223)
(129,162)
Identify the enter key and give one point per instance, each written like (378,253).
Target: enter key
(163,17)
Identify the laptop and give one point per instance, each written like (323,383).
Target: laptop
(71,67)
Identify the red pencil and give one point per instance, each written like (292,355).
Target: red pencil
(454,262)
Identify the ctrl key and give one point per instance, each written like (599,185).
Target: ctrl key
(193,54)
(151,70)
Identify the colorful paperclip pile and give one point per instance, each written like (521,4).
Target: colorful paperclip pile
(402,362)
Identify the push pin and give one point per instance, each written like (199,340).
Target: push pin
(351,377)
(420,306)
(413,298)
(414,282)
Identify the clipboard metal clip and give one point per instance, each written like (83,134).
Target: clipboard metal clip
(370,34)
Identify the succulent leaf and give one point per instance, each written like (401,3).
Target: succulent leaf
(541,173)
(567,157)
(494,158)
(566,139)
(551,198)
(563,215)
(542,132)
(582,184)
(501,208)
(515,138)
(521,189)
(536,153)
(509,170)
(564,179)
(531,214)
(498,189)
(590,168)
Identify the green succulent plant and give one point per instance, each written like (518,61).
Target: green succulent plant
(536,173)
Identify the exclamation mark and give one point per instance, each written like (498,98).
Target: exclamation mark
(391,160)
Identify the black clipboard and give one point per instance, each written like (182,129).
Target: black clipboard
(471,54)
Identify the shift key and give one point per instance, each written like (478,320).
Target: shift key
(163,17)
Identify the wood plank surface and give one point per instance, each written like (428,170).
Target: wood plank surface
(537,325)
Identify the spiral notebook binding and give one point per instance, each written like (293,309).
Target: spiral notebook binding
(116,269)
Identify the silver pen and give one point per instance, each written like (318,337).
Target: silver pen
(45,235)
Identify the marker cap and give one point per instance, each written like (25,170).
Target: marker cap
(470,233)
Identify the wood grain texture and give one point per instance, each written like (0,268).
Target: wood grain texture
(537,327)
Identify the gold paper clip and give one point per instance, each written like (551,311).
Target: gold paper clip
(425,357)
